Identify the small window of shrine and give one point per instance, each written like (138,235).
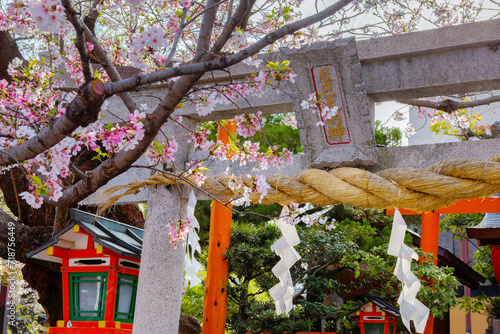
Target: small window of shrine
(125,298)
(87,296)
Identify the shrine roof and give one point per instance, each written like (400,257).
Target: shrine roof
(120,238)
(382,303)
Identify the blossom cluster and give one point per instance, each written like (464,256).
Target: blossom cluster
(178,231)
(195,173)
(125,137)
(290,121)
(296,216)
(248,124)
(278,72)
(152,36)
(247,186)
(409,130)
(399,116)
(320,108)
(31,102)
(199,138)
(249,152)
(238,40)
(48,15)
(161,152)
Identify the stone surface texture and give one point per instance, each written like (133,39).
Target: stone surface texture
(450,60)
(159,291)
(422,156)
(157,307)
(342,55)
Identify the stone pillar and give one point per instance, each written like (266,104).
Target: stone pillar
(158,303)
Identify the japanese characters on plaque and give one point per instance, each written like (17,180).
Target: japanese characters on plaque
(327,84)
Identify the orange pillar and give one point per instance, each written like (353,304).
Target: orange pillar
(215,298)
(429,243)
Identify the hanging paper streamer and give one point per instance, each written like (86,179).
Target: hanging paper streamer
(410,307)
(282,292)
(192,245)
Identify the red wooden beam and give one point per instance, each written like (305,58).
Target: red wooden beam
(57,252)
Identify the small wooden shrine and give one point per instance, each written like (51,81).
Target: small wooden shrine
(100,261)
(376,316)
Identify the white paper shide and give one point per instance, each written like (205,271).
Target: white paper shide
(282,292)
(410,307)
(192,246)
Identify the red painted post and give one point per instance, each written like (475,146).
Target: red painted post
(430,233)
(215,298)
(465,256)
(112,285)
(65,289)
(429,243)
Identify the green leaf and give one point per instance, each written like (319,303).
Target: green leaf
(33,62)
(36,180)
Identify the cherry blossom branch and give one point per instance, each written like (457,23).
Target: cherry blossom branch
(204,10)
(235,20)
(207,25)
(180,124)
(448,105)
(80,38)
(177,37)
(123,160)
(109,68)
(223,62)
(83,110)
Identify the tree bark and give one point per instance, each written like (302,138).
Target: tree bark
(9,51)
(48,284)
(14,182)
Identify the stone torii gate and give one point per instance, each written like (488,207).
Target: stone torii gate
(444,61)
